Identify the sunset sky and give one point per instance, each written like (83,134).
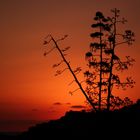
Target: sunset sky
(28,88)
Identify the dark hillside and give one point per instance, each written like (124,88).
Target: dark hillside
(120,124)
(124,122)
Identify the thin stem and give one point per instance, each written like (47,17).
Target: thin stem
(101,59)
(111,64)
(76,80)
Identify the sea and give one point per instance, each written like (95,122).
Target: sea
(17,126)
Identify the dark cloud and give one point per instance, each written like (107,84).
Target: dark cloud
(57,103)
(34,109)
(68,103)
(78,106)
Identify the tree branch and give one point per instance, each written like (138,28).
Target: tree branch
(69,67)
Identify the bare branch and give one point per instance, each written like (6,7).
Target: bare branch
(65,49)
(65,36)
(71,82)
(56,65)
(58,72)
(70,69)
(46,53)
(71,92)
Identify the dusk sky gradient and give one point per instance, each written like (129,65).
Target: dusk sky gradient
(28,88)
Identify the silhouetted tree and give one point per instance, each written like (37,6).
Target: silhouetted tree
(104,62)
(96,80)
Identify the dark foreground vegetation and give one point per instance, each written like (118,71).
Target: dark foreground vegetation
(121,124)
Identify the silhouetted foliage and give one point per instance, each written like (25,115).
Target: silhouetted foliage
(104,63)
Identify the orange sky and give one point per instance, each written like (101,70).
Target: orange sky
(28,87)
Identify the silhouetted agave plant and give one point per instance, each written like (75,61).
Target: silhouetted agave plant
(106,62)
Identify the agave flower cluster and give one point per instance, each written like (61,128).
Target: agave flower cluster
(105,64)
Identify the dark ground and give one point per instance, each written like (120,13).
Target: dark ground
(119,124)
